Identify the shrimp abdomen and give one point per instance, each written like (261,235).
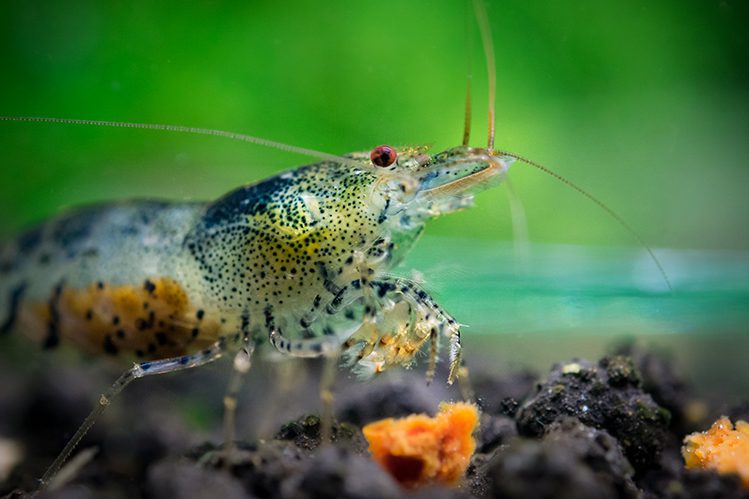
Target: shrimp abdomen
(109,277)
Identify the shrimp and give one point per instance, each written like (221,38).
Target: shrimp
(300,261)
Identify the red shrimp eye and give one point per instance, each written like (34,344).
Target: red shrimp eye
(383,156)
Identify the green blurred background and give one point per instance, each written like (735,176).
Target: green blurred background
(645,104)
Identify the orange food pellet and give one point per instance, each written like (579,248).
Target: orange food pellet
(722,448)
(418,449)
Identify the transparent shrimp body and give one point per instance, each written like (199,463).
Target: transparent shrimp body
(306,255)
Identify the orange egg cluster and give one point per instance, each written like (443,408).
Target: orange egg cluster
(418,449)
(722,448)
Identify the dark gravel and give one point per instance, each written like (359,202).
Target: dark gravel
(571,461)
(607,396)
(609,429)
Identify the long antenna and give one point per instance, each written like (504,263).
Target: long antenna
(598,202)
(193,130)
(486,38)
(467,117)
(469,77)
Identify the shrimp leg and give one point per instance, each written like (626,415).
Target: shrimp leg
(240,366)
(213,352)
(409,317)
(430,316)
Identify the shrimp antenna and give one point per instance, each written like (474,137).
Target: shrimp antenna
(469,77)
(486,38)
(600,204)
(193,130)
(467,117)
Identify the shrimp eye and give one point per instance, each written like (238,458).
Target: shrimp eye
(383,156)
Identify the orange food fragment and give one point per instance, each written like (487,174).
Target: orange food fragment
(418,449)
(722,448)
